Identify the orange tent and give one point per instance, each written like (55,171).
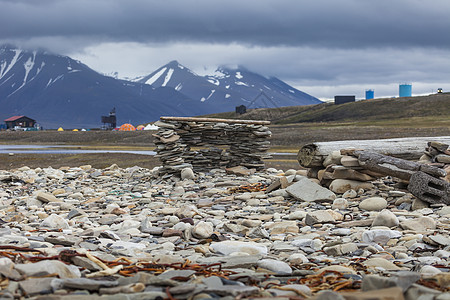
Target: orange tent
(127,127)
(140,127)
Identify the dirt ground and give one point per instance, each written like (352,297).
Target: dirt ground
(285,138)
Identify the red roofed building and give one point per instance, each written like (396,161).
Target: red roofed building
(19,121)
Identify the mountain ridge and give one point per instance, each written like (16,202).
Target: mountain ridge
(234,86)
(57,90)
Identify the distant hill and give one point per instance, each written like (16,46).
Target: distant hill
(386,109)
(228,88)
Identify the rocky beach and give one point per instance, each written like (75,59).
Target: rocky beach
(128,233)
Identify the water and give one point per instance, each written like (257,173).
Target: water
(52,149)
(62,149)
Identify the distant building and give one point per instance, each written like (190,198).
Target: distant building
(370,94)
(405,90)
(110,122)
(19,122)
(241,109)
(343,99)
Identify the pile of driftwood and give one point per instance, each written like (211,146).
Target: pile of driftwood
(361,161)
(217,142)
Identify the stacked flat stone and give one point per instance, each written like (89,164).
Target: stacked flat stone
(340,171)
(437,153)
(224,143)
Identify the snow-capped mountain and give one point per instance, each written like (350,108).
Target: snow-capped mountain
(59,91)
(228,88)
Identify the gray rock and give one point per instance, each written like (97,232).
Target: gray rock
(36,286)
(340,186)
(55,222)
(47,267)
(386,218)
(228,247)
(85,283)
(291,290)
(75,213)
(307,190)
(380,236)
(86,263)
(187,173)
(202,230)
(373,204)
(440,239)
(375,282)
(329,295)
(7,269)
(419,204)
(419,224)
(429,270)
(47,197)
(319,216)
(276,266)
(340,203)
(341,249)
(176,273)
(405,279)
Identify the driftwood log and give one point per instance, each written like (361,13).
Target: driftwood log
(313,155)
(397,167)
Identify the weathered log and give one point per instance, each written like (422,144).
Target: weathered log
(396,167)
(228,121)
(313,155)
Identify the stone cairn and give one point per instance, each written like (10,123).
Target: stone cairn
(223,143)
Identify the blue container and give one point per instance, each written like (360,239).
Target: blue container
(370,94)
(405,90)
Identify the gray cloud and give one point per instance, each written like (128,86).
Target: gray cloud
(324,23)
(323,46)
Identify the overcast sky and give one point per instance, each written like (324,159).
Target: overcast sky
(322,47)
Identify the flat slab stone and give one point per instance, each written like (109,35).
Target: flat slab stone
(307,190)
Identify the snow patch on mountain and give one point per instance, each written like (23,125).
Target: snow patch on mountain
(212,93)
(168,76)
(4,67)
(156,76)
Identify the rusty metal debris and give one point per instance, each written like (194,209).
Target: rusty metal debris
(329,280)
(255,187)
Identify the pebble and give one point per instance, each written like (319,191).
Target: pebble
(276,266)
(134,216)
(386,218)
(202,230)
(373,204)
(340,203)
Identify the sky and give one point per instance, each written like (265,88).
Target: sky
(322,47)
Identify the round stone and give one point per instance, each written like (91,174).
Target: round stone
(202,230)
(340,203)
(373,204)
(187,173)
(385,218)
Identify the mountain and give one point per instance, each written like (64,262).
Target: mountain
(59,91)
(228,88)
